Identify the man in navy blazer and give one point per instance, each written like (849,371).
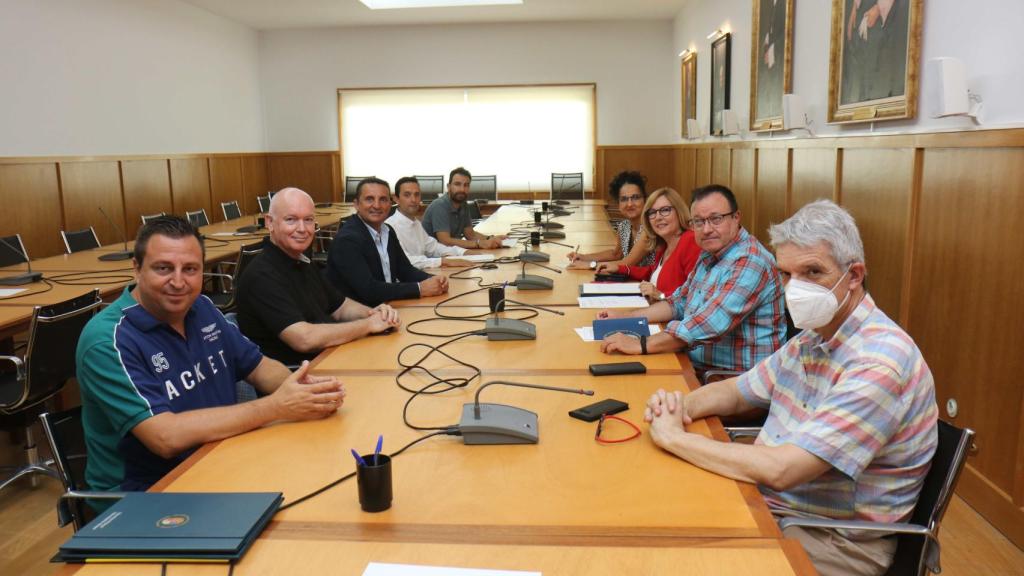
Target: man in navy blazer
(366,261)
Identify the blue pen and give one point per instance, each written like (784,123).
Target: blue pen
(359,459)
(376,453)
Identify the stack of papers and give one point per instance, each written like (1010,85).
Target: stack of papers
(602,302)
(474,257)
(510,242)
(609,288)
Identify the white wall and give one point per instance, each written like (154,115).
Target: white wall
(631,62)
(985,35)
(125,77)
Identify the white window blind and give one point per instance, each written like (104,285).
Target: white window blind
(519,134)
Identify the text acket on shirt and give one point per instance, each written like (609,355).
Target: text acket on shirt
(188,379)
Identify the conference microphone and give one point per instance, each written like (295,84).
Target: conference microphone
(501,329)
(489,424)
(526,281)
(19,279)
(115,256)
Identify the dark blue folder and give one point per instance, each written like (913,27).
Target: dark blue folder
(631,326)
(169,527)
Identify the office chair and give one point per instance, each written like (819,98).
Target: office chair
(224,299)
(79,240)
(66,437)
(351,184)
(40,374)
(231,210)
(12,251)
(147,217)
(431,187)
(197,218)
(264,203)
(484,188)
(917,548)
(567,186)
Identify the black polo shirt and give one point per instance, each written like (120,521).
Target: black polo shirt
(276,291)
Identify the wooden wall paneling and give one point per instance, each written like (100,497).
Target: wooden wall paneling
(684,169)
(965,311)
(702,176)
(721,166)
(310,172)
(88,186)
(743,181)
(654,163)
(876,189)
(147,190)
(190,185)
(30,192)
(254,182)
(814,176)
(772,185)
(225,184)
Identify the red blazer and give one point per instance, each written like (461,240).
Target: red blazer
(675,270)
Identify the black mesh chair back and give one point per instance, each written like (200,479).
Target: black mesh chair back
(12,251)
(917,553)
(79,240)
(567,185)
(474,211)
(351,185)
(53,335)
(431,187)
(264,203)
(66,437)
(484,188)
(147,217)
(198,218)
(246,254)
(231,210)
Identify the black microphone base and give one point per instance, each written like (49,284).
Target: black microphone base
(509,329)
(498,424)
(116,256)
(549,225)
(26,278)
(561,202)
(553,234)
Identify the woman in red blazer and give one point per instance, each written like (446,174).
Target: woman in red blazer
(675,251)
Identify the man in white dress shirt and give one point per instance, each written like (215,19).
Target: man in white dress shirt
(421,249)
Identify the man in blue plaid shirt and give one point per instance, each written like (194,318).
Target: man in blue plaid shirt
(729,314)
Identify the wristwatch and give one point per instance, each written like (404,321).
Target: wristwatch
(593,264)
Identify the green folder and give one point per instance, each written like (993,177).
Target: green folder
(174,527)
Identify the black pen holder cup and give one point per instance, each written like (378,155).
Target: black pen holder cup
(536,217)
(261,222)
(543,206)
(496,298)
(374,482)
(535,238)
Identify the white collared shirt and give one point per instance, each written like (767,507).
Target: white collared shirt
(380,240)
(421,249)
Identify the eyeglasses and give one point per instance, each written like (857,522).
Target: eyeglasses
(663,211)
(633,198)
(714,220)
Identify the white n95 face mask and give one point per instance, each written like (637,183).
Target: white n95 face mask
(812,306)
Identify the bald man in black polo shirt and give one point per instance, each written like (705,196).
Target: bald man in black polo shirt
(284,304)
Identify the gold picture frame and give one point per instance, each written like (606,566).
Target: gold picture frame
(688,72)
(771,65)
(874,60)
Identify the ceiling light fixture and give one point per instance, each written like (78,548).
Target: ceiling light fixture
(395,4)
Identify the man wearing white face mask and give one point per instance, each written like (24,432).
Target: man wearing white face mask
(851,426)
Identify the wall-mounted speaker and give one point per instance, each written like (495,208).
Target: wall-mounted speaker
(948,93)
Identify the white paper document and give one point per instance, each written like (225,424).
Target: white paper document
(587,332)
(474,257)
(381,569)
(602,302)
(5,292)
(611,288)
(510,242)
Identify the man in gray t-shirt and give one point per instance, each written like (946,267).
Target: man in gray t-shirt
(447,218)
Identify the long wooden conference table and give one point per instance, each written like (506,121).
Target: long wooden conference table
(566,505)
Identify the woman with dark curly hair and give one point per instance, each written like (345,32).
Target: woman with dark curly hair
(629,190)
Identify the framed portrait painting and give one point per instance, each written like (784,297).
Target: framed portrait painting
(721,58)
(874,60)
(689,90)
(771,62)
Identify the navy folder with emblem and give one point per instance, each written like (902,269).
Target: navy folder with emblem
(174,526)
(630,326)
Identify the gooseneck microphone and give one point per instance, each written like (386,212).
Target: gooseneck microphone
(26,278)
(115,256)
(496,328)
(488,424)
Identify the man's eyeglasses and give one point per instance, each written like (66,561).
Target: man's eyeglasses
(664,211)
(633,198)
(714,220)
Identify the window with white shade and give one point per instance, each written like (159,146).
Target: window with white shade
(520,134)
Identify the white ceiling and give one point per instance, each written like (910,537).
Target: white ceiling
(267,14)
